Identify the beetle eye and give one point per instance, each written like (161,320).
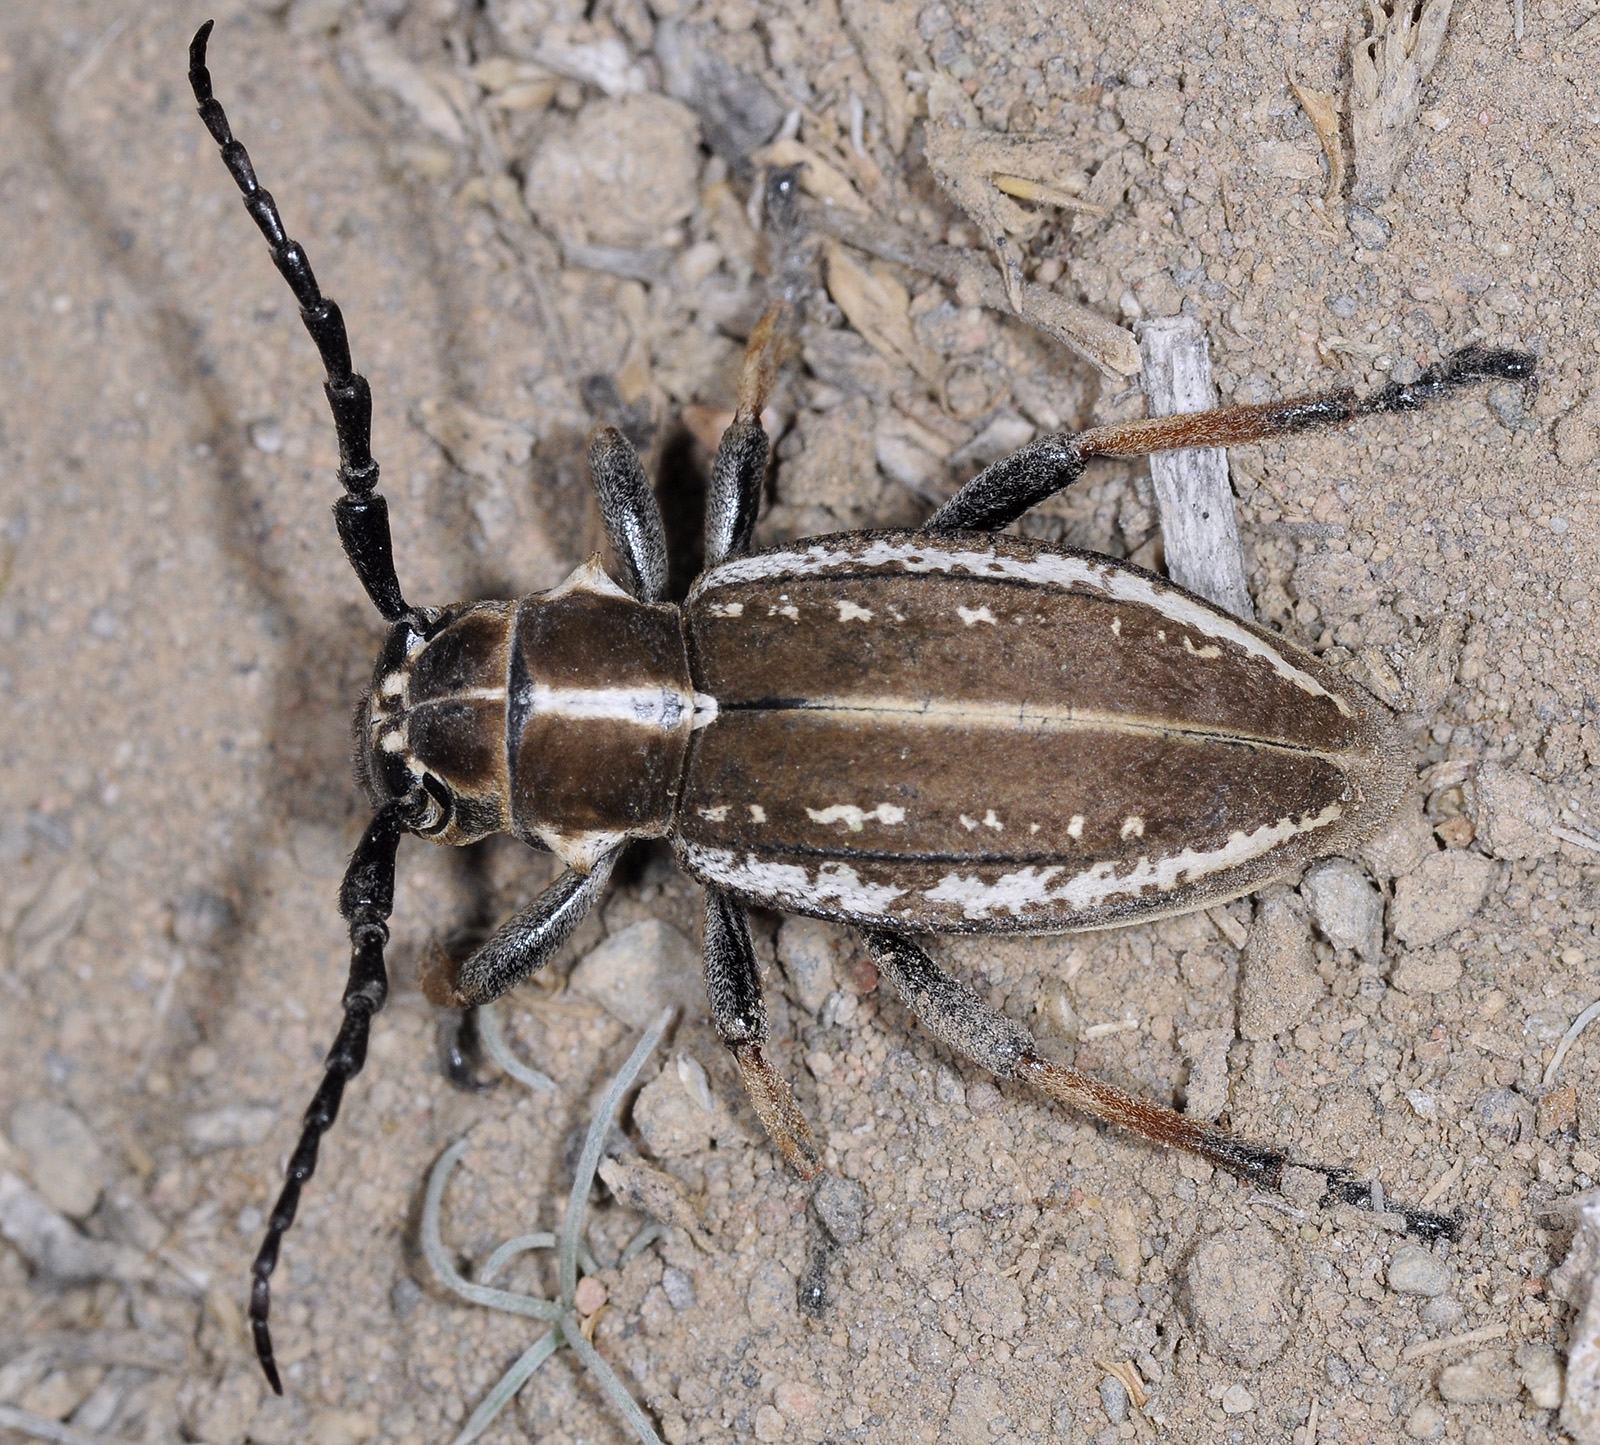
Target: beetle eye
(435,806)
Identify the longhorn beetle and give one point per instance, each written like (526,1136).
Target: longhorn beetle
(934,731)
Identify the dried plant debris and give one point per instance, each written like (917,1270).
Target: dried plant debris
(1323,113)
(1110,349)
(1578,1283)
(570,1321)
(1388,69)
(981,172)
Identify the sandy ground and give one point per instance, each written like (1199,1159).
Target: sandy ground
(181,645)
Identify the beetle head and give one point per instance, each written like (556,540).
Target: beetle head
(430,731)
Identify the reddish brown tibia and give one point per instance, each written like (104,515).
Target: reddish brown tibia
(1162,1126)
(775,1106)
(1228,426)
(759,374)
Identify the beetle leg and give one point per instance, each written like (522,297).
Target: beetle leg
(630,513)
(733,986)
(955,1014)
(1001,493)
(366,899)
(361,515)
(524,943)
(733,499)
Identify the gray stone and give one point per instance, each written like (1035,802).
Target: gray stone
(1345,906)
(1541,1373)
(736,109)
(1505,1115)
(1415,1270)
(1207,1053)
(64,1158)
(1439,897)
(1114,1399)
(1236,1400)
(841,1205)
(1278,984)
(809,950)
(1426,1422)
(678,1288)
(1444,1314)
(1368,228)
(637,972)
(771,1296)
(1239,1287)
(1578,1282)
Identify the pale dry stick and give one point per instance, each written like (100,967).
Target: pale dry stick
(1481,1336)
(1579,1024)
(1199,529)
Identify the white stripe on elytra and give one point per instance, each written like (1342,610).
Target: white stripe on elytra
(1032,888)
(662,708)
(1047,568)
(834,883)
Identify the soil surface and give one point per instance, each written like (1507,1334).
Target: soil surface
(512,200)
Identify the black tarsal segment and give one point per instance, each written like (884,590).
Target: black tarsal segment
(1001,493)
(366,898)
(362,518)
(1461,368)
(1427,1226)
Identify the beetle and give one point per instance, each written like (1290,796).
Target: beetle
(943,730)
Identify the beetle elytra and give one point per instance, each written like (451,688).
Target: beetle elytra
(931,731)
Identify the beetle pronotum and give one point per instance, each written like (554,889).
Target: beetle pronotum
(934,731)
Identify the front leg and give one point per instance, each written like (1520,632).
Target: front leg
(733,987)
(524,943)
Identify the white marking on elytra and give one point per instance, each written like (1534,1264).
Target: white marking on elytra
(705,711)
(849,612)
(1210,650)
(726,609)
(1133,826)
(663,709)
(855,818)
(1048,569)
(1030,888)
(393,741)
(394,685)
(991,821)
(1075,827)
(788,885)
(974,615)
(715,815)
(791,612)
(1116,627)
(580,851)
(1033,828)
(758,814)
(968,823)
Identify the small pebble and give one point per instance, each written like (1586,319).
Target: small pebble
(1236,1400)
(809,951)
(841,1205)
(640,970)
(589,1295)
(1114,1399)
(1443,1314)
(1345,906)
(678,1288)
(1485,1379)
(266,436)
(1439,897)
(1541,1374)
(1415,1270)
(1368,228)
(771,1296)
(1278,983)
(770,1424)
(64,1158)
(1426,1422)
(948,1086)
(1515,813)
